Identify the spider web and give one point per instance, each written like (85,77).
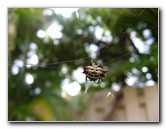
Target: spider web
(108,54)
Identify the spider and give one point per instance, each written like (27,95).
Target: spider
(94,72)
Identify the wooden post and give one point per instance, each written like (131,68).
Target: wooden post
(131,104)
(152,103)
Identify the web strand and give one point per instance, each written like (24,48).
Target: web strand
(49,65)
(109,53)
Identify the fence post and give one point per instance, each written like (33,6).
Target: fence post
(131,104)
(151,101)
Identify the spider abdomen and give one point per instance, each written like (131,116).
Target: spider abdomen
(94,72)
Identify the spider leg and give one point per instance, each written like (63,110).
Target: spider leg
(86,78)
(98,80)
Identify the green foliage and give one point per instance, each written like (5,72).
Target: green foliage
(43,100)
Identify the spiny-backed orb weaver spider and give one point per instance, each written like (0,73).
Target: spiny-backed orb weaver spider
(94,72)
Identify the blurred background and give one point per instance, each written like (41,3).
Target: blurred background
(47,48)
